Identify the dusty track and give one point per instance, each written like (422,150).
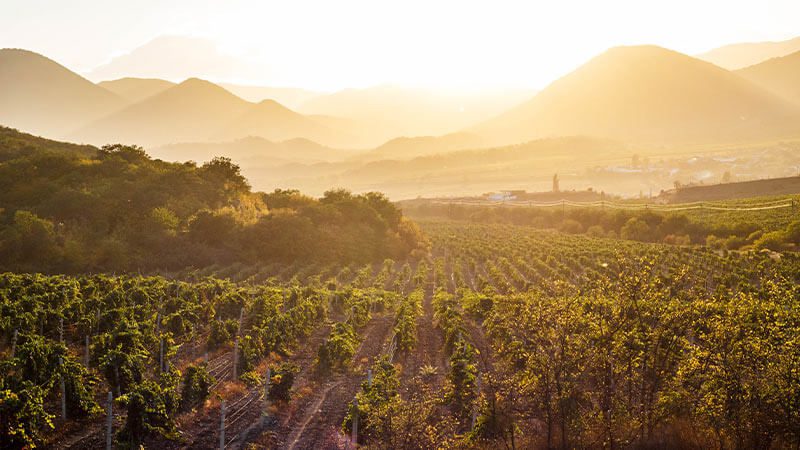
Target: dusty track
(429,349)
(313,418)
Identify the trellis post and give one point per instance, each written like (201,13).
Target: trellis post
(63,389)
(14,343)
(109,419)
(354,436)
(266,391)
(475,408)
(222,425)
(86,355)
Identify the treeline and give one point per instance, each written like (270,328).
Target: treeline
(643,225)
(68,208)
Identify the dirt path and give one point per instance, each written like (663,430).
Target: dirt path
(313,418)
(317,425)
(429,350)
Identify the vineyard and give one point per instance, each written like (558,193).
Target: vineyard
(501,336)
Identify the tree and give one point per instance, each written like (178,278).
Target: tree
(635,229)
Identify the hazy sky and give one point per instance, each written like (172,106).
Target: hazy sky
(334,44)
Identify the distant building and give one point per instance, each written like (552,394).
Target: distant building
(555,183)
(501,197)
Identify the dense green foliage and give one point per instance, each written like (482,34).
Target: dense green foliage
(196,386)
(66,208)
(127,319)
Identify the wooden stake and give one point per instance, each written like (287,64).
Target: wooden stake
(14,343)
(266,390)
(354,436)
(222,426)
(86,356)
(235,357)
(109,420)
(475,410)
(63,390)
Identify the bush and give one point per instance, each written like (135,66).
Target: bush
(673,239)
(774,240)
(281,381)
(336,351)
(148,413)
(22,415)
(196,386)
(571,226)
(714,242)
(635,229)
(596,231)
(218,336)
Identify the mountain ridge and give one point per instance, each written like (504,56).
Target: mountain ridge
(623,94)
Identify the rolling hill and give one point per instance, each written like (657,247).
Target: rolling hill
(201,111)
(778,75)
(136,89)
(40,96)
(185,112)
(271,120)
(251,151)
(412,147)
(290,97)
(648,94)
(386,112)
(738,56)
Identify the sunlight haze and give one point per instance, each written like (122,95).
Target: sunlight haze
(328,46)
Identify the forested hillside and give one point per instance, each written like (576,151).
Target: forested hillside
(69,208)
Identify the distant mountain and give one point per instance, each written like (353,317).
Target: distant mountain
(189,111)
(290,97)
(778,75)
(250,151)
(136,89)
(737,56)
(271,120)
(40,96)
(196,111)
(412,147)
(175,58)
(385,112)
(652,95)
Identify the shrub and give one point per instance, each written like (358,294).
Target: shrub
(218,336)
(571,226)
(148,413)
(635,229)
(774,240)
(596,231)
(196,386)
(336,351)
(281,381)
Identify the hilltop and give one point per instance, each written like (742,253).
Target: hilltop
(780,75)
(41,96)
(737,56)
(648,94)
